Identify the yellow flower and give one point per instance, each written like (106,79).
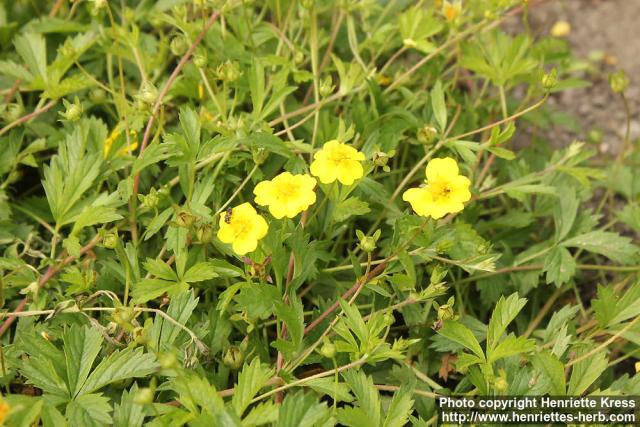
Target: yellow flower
(242,226)
(337,161)
(451,11)
(108,143)
(561,29)
(286,194)
(445,192)
(5,408)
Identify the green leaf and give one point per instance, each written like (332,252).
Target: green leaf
(301,410)
(74,83)
(81,347)
(505,311)
(553,370)
(118,366)
(128,413)
(90,410)
(336,390)
(32,49)
(610,309)
(367,396)
(511,346)
(253,377)
(200,272)
(565,212)
(585,372)
(559,266)
(164,333)
(400,407)
(438,105)
(457,332)
(503,153)
(148,289)
(160,269)
(606,243)
(350,207)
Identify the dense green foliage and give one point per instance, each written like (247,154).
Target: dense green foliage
(129,128)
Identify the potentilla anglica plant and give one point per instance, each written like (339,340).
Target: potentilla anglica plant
(309,213)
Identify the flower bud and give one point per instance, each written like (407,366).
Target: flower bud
(178,45)
(73,110)
(228,72)
(367,243)
(409,43)
(427,135)
(110,240)
(234,357)
(67,49)
(122,316)
(298,57)
(12,112)
(148,93)
(561,29)
(185,219)
(97,95)
(501,384)
(205,233)
(381,159)
(144,396)
(151,199)
(618,81)
(168,360)
(550,80)
(200,60)
(326,86)
(259,155)
(328,349)
(139,335)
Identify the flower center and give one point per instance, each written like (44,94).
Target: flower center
(440,190)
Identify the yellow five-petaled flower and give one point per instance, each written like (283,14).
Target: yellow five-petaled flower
(286,194)
(337,161)
(445,192)
(242,226)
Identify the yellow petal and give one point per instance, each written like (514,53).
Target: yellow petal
(243,246)
(442,168)
(460,189)
(348,172)
(323,170)
(225,233)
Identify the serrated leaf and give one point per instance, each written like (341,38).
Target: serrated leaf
(301,410)
(32,49)
(118,366)
(438,105)
(200,272)
(81,347)
(606,243)
(400,407)
(90,410)
(458,333)
(350,207)
(253,377)
(559,266)
(585,372)
(565,211)
(505,311)
(553,370)
(511,346)
(367,396)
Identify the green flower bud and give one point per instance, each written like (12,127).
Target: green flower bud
(205,233)
(259,155)
(97,95)
(140,335)
(200,60)
(367,243)
(151,199)
(73,110)
(67,49)
(326,86)
(12,112)
(298,57)
(168,360)
(233,357)
(185,219)
(144,396)
(618,81)
(328,350)
(550,80)
(148,93)
(381,159)
(427,135)
(110,240)
(594,136)
(501,384)
(178,45)
(228,72)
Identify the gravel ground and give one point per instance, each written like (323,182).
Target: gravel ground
(611,27)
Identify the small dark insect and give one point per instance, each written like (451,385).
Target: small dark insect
(227,216)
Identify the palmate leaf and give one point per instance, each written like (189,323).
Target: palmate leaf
(163,334)
(253,377)
(301,410)
(367,398)
(506,310)
(127,413)
(400,407)
(81,346)
(606,243)
(458,333)
(89,410)
(120,365)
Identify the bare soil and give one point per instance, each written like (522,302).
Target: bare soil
(606,29)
